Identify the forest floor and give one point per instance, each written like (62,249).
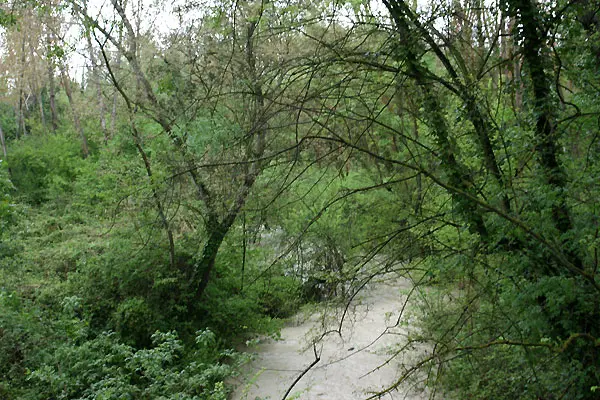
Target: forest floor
(353,365)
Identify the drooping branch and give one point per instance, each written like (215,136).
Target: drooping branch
(552,248)
(304,372)
(481,124)
(457,174)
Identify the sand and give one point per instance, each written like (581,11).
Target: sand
(352,366)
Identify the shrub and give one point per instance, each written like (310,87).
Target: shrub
(44,167)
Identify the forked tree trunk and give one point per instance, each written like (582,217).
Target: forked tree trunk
(218,229)
(434,115)
(217,223)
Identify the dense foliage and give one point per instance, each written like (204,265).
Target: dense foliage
(194,186)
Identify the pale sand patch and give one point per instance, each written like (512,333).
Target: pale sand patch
(350,367)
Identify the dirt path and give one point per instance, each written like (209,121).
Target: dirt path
(350,366)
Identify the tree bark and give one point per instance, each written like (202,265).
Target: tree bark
(209,256)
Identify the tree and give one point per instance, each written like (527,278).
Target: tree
(76,120)
(465,122)
(183,103)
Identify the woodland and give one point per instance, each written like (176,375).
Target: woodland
(179,177)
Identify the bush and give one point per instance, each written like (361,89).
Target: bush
(105,368)
(505,338)
(44,167)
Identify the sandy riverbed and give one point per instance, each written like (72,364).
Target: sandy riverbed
(351,366)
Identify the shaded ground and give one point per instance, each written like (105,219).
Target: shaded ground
(351,366)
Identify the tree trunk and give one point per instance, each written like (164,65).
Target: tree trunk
(3,143)
(545,128)
(17,122)
(96,82)
(37,88)
(458,176)
(217,223)
(21,115)
(22,128)
(51,84)
(402,14)
(67,85)
(41,107)
(217,230)
(209,256)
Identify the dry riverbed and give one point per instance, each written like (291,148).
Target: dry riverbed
(351,366)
